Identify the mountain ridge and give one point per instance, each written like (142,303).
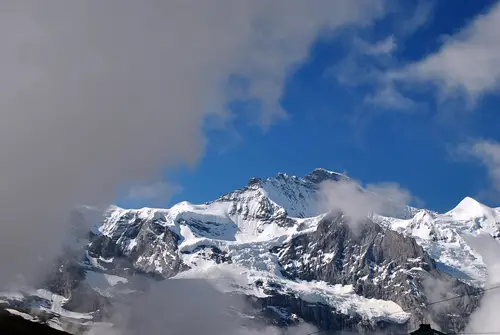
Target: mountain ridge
(270,241)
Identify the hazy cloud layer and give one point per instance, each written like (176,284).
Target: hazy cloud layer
(95,94)
(188,306)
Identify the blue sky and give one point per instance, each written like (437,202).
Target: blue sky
(377,103)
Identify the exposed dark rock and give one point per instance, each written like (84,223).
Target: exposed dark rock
(66,274)
(212,253)
(319,175)
(145,246)
(380,264)
(84,299)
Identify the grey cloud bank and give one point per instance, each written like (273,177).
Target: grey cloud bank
(96,94)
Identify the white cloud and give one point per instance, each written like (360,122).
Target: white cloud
(488,152)
(466,65)
(468,62)
(356,204)
(98,94)
(389,193)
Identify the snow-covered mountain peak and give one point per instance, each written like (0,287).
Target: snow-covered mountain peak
(470,208)
(297,196)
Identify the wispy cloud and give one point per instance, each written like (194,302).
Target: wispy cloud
(390,98)
(468,62)
(367,65)
(488,153)
(384,47)
(357,203)
(421,15)
(467,65)
(155,194)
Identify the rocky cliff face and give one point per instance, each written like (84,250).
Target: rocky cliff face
(379,263)
(270,242)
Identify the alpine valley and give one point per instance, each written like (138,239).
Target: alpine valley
(271,244)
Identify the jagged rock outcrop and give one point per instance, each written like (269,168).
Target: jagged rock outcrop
(139,245)
(379,263)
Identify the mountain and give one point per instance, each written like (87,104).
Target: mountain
(272,243)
